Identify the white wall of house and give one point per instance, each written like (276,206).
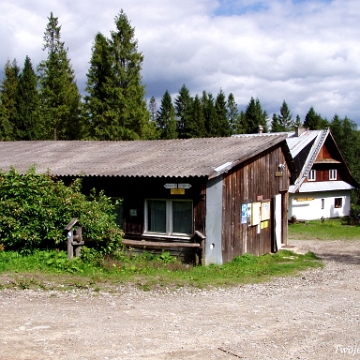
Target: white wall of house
(315,205)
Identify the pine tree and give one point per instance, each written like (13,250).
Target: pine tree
(285,117)
(222,125)
(166,118)
(9,95)
(183,109)
(28,123)
(59,95)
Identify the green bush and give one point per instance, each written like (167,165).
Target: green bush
(35,208)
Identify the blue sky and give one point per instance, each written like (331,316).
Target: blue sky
(305,52)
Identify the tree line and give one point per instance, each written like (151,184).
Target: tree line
(44,103)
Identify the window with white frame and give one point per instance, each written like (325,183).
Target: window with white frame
(169,217)
(312,175)
(332,174)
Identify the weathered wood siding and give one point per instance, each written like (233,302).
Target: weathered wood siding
(246,183)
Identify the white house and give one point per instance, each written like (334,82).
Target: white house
(323,183)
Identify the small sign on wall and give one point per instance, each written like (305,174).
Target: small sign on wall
(177,191)
(244,213)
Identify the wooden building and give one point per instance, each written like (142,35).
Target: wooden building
(231,193)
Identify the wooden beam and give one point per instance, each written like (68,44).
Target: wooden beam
(158,244)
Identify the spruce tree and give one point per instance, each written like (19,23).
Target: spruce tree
(208,104)
(127,92)
(114,86)
(222,125)
(336,128)
(98,103)
(152,108)
(28,122)
(285,117)
(232,113)
(275,124)
(255,116)
(197,128)
(314,121)
(240,123)
(151,130)
(59,94)
(166,118)
(183,109)
(298,122)
(8,96)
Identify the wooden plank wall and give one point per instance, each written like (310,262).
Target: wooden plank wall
(244,184)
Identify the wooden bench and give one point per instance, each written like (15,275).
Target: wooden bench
(197,242)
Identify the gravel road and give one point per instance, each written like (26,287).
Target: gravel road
(315,315)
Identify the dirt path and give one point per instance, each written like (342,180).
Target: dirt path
(312,316)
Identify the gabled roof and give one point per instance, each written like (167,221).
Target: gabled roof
(305,149)
(205,157)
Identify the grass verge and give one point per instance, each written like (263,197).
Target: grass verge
(330,229)
(52,270)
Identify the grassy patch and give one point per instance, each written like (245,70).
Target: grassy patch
(330,229)
(52,270)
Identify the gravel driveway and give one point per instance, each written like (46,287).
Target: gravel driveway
(315,315)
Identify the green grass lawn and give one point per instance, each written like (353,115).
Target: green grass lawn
(52,270)
(330,229)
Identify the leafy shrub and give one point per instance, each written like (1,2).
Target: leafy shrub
(35,208)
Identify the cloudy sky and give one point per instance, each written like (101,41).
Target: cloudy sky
(306,52)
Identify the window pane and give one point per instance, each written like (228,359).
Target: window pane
(156,213)
(338,202)
(182,217)
(333,174)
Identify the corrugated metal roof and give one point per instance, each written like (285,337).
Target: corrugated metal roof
(296,144)
(157,158)
(323,186)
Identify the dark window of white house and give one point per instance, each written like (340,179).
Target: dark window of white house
(332,174)
(169,217)
(322,204)
(338,202)
(312,175)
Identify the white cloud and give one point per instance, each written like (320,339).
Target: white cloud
(305,52)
